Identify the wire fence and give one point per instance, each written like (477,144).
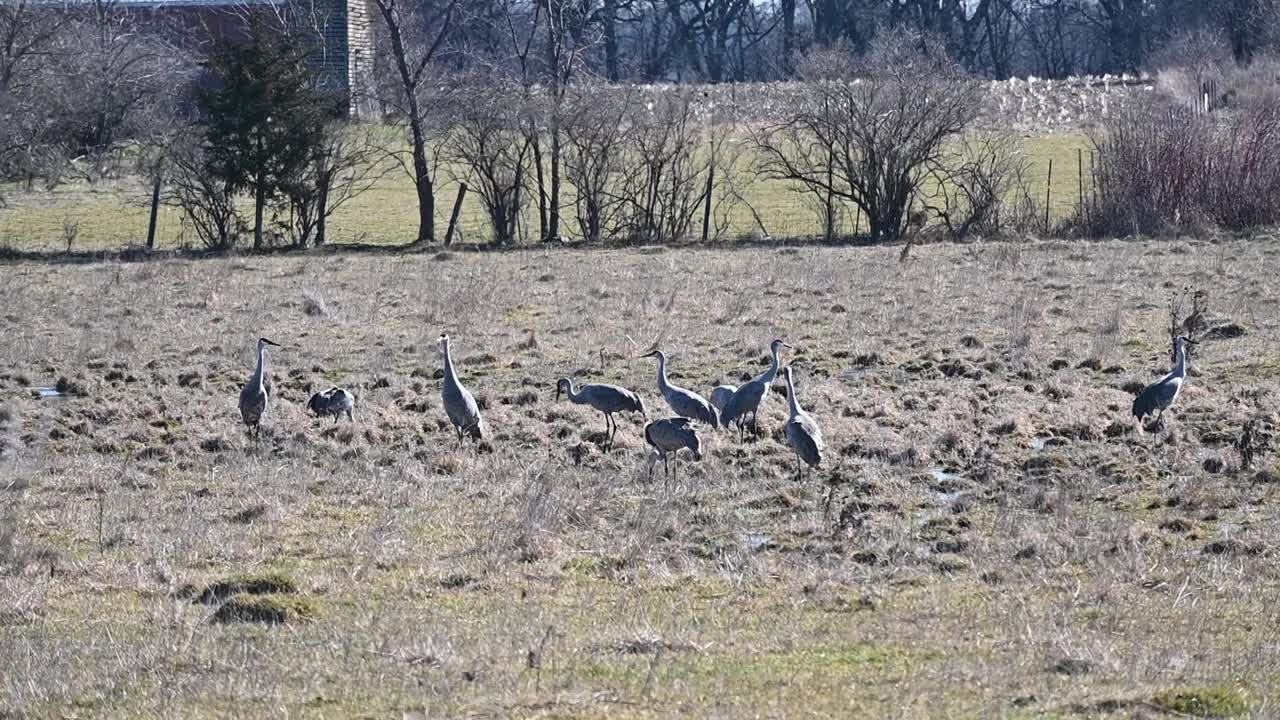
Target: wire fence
(115,215)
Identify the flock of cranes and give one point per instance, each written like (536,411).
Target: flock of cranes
(728,405)
(664,436)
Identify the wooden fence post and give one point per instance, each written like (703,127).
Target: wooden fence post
(155,211)
(1048,195)
(706,210)
(453,216)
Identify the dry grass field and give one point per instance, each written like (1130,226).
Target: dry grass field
(1003,540)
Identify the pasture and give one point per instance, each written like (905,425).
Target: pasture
(1002,538)
(112,214)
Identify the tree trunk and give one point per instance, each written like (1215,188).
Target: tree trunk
(788,36)
(259,205)
(611,39)
(553,198)
(421,166)
(322,205)
(542,185)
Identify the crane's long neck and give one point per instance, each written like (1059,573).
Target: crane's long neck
(260,372)
(792,400)
(1180,369)
(662,373)
(575,396)
(772,373)
(448,364)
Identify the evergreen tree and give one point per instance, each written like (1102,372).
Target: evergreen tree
(264,119)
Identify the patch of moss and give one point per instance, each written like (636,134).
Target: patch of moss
(1210,701)
(271,609)
(268,583)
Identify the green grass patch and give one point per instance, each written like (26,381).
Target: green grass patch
(275,609)
(1210,701)
(267,583)
(114,214)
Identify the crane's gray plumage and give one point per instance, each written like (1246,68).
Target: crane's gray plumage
(720,395)
(1158,396)
(669,435)
(335,401)
(608,399)
(255,394)
(685,403)
(459,405)
(803,434)
(746,399)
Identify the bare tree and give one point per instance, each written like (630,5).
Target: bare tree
(596,136)
(347,163)
(975,185)
(491,149)
(869,132)
(415,32)
(664,182)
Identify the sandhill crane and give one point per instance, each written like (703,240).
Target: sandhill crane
(608,399)
(668,436)
(748,397)
(255,393)
(720,395)
(685,403)
(334,401)
(459,405)
(1158,396)
(803,434)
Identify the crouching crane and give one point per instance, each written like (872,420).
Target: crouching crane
(334,401)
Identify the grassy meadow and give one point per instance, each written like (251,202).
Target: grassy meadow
(113,214)
(1001,539)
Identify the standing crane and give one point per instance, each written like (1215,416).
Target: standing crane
(459,405)
(747,398)
(685,403)
(256,393)
(1158,396)
(608,399)
(669,435)
(803,434)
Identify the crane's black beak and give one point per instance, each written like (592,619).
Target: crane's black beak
(270,343)
(791,347)
(1192,342)
(557,393)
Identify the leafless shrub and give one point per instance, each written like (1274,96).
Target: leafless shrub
(1189,60)
(207,202)
(867,131)
(347,164)
(975,186)
(663,185)
(596,135)
(1163,170)
(493,152)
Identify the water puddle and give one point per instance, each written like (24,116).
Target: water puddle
(46,392)
(1037,443)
